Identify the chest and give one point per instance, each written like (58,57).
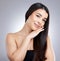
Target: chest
(20,41)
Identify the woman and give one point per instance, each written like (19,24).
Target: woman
(32,42)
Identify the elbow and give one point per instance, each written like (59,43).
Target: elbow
(14,58)
(11,58)
(51,58)
(17,59)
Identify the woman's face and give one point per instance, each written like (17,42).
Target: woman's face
(37,19)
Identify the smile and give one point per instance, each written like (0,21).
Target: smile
(36,24)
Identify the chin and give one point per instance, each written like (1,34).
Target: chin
(34,28)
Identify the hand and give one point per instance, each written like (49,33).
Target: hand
(35,33)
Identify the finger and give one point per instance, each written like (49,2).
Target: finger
(42,30)
(37,32)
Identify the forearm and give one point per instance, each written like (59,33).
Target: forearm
(52,58)
(20,53)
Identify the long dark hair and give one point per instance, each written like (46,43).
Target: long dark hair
(40,41)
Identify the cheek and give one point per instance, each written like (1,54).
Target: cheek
(43,23)
(34,18)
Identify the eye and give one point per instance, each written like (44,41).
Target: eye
(38,16)
(44,20)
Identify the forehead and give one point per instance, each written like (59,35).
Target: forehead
(42,12)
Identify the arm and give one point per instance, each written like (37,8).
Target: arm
(49,52)
(18,54)
(15,54)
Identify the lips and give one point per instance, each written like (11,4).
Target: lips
(36,24)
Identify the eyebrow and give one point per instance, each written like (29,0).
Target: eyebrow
(39,14)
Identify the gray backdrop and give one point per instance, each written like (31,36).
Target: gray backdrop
(12,17)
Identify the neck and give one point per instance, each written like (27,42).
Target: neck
(26,29)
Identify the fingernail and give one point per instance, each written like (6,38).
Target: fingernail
(42,29)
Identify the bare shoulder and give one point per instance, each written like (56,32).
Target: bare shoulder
(13,39)
(10,36)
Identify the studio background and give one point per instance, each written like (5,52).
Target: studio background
(12,19)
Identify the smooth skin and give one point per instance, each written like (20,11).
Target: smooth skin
(18,43)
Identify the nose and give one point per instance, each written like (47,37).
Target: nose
(40,22)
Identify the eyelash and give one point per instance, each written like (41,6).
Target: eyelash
(44,20)
(38,16)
